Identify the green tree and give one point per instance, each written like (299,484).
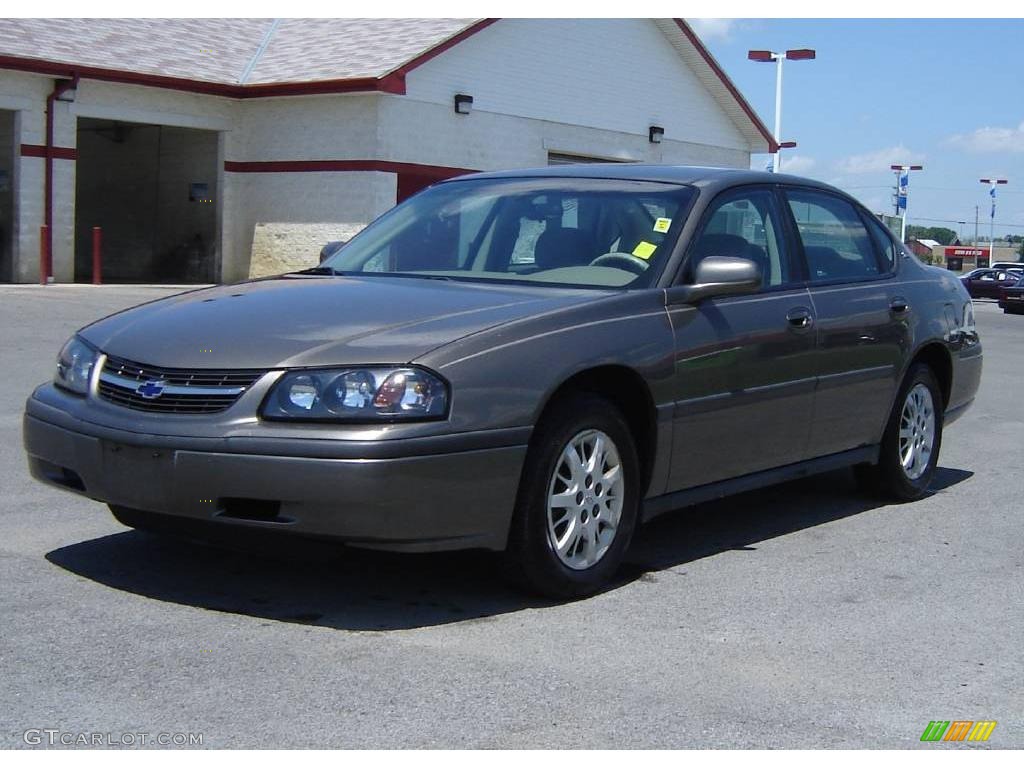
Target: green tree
(942,235)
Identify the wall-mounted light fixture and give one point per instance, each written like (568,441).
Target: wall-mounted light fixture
(463,104)
(655,134)
(67,90)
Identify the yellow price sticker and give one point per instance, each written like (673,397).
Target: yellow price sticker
(644,250)
(662,225)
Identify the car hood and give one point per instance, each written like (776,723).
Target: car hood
(314,320)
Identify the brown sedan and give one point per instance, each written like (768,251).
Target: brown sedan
(987,283)
(533,362)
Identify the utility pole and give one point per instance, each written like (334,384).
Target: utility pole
(975,242)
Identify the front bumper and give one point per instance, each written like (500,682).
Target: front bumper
(403,496)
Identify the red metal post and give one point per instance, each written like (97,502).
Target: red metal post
(44,254)
(97,260)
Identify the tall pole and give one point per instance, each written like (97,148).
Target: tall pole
(896,197)
(992,236)
(778,58)
(992,218)
(776,158)
(903,193)
(906,208)
(975,226)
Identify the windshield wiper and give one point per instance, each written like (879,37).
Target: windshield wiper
(317,271)
(422,276)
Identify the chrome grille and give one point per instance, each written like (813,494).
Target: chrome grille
(200,390)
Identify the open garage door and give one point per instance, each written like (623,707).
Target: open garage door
(6,196)
(151,188)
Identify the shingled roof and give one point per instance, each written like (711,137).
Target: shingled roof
(230,51)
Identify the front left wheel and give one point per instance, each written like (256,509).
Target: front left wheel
(578,499)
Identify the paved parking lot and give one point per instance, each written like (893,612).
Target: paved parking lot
(800,616)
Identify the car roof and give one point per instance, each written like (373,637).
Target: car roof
(694,175)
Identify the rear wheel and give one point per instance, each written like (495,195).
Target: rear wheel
(909,452)
(578,498)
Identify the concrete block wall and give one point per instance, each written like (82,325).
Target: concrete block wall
(25,96)
(309,128)
(434,134)
(7,161)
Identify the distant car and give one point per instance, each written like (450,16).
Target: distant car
(987,283)
(1008,265)
(1011,298)
(533,362)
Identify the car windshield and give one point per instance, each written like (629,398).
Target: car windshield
(555,231)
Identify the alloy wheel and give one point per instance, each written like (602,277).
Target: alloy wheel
(917,431)
(585,497)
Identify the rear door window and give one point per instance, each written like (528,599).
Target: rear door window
(835,241)
(884,242)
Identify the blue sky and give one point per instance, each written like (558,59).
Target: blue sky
(945,94)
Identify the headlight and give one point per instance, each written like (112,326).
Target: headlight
(358,394)
(74,365)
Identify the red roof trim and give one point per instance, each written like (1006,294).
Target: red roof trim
(392,82)
(38,150)
(744,105)
(320,166)
(443,46)
(386,84)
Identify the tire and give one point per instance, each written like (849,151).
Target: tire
(919,406)
(592,546)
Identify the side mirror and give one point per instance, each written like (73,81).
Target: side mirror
(330,249)
(719,276)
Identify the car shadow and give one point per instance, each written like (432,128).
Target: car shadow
(324,584)
(742,521)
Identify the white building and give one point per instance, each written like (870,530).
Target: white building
(185,139)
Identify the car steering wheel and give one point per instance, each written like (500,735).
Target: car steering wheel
(621,260)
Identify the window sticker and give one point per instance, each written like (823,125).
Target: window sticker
(644,250)
(662,225)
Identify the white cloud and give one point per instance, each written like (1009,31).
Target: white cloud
(797,164)
(879,160)
(989,139)
(710,29)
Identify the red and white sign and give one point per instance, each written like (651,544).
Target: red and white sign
(959,252)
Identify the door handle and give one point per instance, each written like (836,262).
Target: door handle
(800,318)
(899,306)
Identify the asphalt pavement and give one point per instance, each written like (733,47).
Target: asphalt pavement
(805,615)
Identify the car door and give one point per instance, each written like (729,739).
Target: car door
(862,317)
(743,364)
(983,285)
(1004,279)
